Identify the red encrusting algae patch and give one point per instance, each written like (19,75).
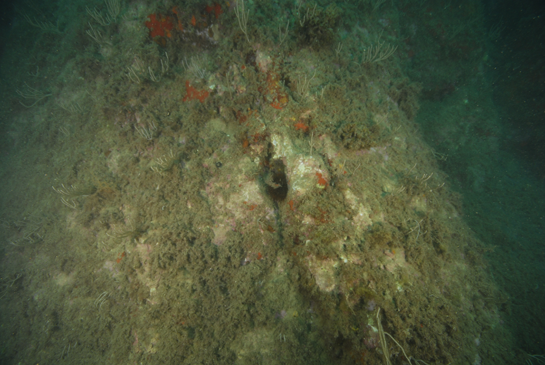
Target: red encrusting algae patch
(159,25)
(216,8)
(301,126)
(291,205)
(120,257)
(193,93)
(279,99)
(175,11)
(321,181)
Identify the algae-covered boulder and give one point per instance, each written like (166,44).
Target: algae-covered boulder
(234,192)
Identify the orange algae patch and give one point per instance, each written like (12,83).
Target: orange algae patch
(216,8)
(242,118)
(159,25)
(321,181)
(175,11)
(279,98)
(245,143)
(251,206)
(193,93)
(301,126)
(119,257)
(276,105)
(323,216)
(291,205)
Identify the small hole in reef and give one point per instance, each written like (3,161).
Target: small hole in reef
(276,181)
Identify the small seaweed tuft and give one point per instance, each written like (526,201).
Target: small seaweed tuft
(133,232)
(165,162)
(69,193)
(317,26)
